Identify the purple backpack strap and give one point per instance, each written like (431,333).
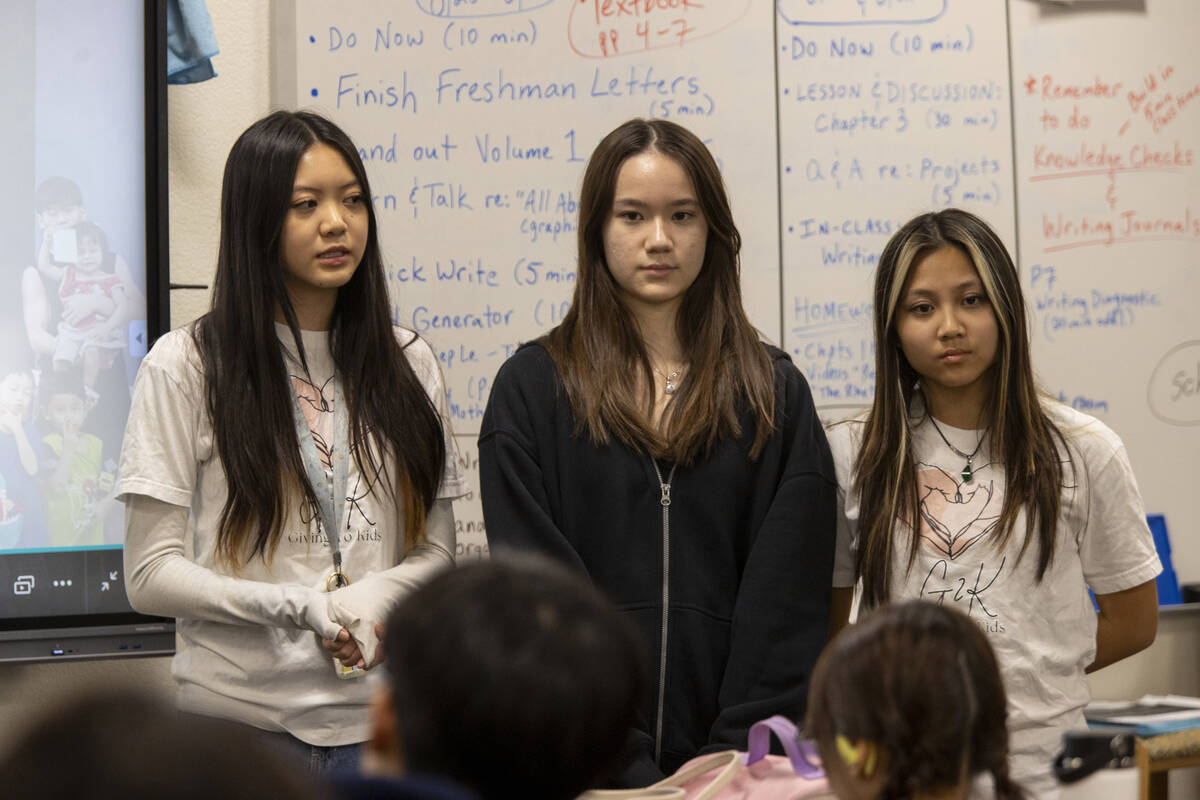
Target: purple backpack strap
(798,752)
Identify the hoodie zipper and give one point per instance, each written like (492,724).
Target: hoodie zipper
(664,500)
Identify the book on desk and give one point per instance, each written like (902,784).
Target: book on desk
(1148,716)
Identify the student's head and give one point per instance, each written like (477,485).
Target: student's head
(92,247)
(653,194)
(16,385)
(63,400)
(296,218)
(58,203)
(908,703)
(512,677)
(122,744)
(945,282)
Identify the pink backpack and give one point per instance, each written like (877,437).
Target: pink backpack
(732,775)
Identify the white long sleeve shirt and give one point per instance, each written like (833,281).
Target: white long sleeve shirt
(248,639)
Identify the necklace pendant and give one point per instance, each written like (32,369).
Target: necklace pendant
(967,474)
(669,379)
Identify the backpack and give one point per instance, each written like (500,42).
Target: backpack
(733,775)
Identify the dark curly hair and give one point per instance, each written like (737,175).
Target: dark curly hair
(921,682)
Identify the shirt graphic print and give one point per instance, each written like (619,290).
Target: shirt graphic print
(955,516)
(317,405)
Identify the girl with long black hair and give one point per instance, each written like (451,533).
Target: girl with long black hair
(286,468)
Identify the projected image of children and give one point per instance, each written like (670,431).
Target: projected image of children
(65,396)
(21,456)
(95,340)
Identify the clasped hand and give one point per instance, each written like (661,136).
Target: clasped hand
(346,650)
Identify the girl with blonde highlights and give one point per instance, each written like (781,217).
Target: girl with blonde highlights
(966,485)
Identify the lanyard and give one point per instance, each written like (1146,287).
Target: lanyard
(331,494)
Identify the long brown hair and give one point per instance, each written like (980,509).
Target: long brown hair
(248,393)
(1019,432)
(598,341)
(920,681)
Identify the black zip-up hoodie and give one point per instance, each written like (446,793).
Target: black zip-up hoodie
(729,584)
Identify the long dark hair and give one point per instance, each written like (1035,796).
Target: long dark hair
(248,392)
(920,681)
(1019,432)
(598,341)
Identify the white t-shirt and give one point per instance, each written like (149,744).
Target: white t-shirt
(1043,632)
(247,642)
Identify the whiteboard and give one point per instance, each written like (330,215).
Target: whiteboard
(833,121)
(887,110)
(1108,152)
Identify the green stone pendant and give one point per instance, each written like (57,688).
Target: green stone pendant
(966,473)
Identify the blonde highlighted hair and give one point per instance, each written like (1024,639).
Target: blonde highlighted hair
(1019,433)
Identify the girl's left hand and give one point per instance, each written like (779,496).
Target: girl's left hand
(379,646)
(344,649)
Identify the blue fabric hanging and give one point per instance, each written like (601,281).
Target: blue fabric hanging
(191,42)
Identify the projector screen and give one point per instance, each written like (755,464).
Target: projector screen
(82,295)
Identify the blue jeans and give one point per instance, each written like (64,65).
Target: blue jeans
(316,759)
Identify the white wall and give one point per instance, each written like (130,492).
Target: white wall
(203,122)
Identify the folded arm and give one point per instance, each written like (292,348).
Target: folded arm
(161,580)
